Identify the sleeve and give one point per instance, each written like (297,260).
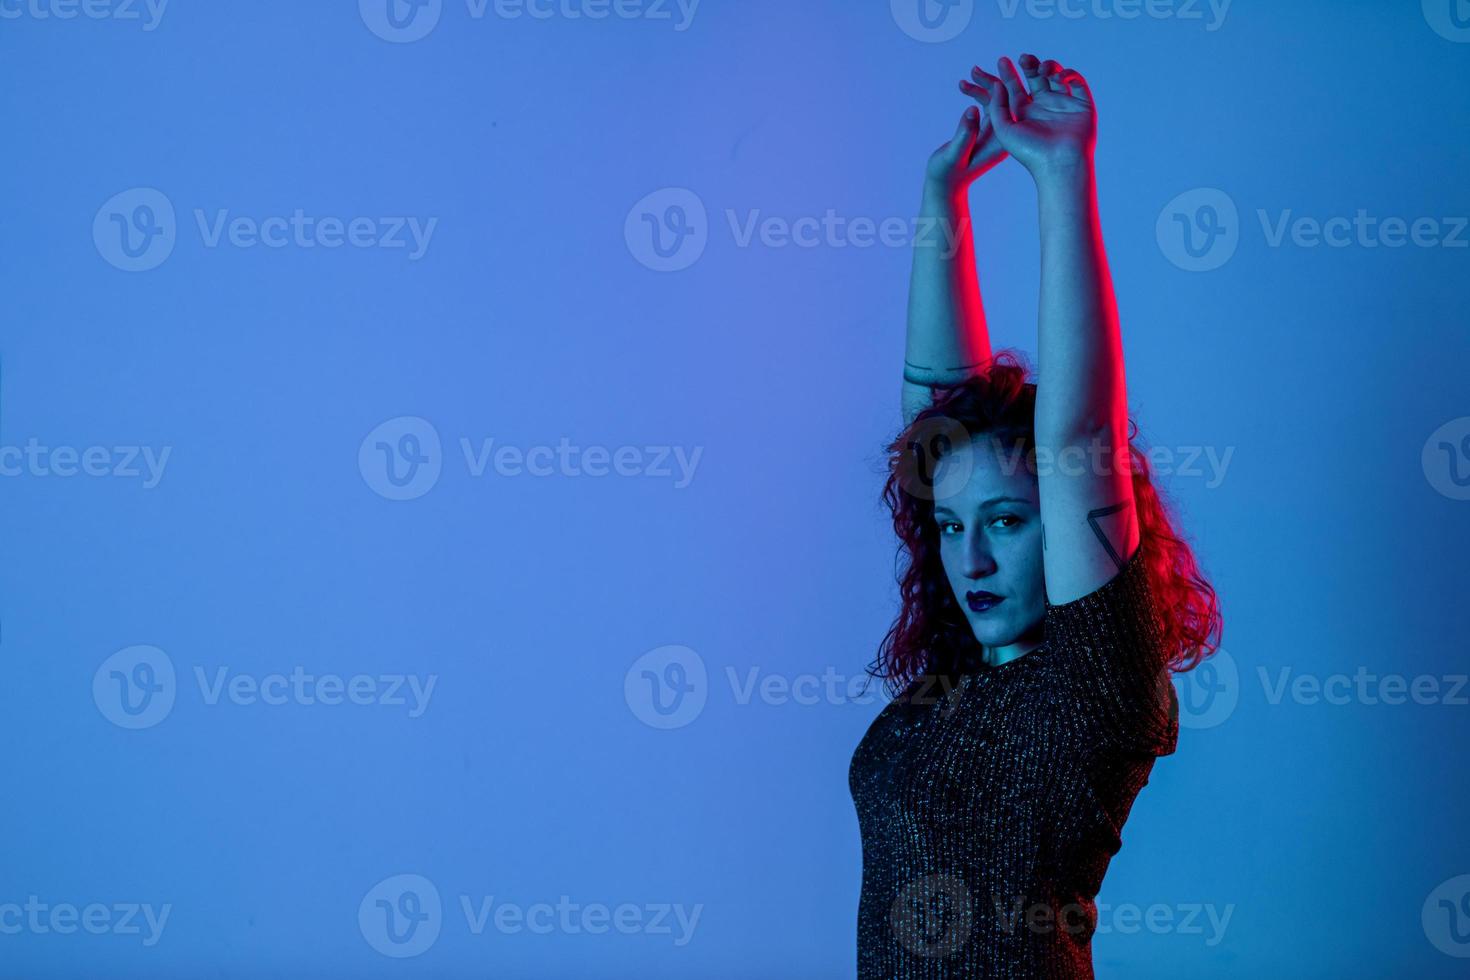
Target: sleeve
(1109,647)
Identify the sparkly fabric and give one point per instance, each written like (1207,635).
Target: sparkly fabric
(991,799)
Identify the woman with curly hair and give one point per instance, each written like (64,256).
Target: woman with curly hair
(1046,597)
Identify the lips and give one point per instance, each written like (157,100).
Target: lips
(982,601)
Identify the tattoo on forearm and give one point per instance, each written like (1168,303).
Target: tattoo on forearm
(1092,517)
(929,373)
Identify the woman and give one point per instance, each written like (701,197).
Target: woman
(1046,598)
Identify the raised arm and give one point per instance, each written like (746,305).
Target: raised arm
(1088,515)
(946,339)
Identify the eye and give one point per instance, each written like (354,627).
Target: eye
(944,526)
(1008,517)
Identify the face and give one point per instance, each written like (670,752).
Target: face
(989,524)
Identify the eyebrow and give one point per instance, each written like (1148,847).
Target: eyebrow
(940,508)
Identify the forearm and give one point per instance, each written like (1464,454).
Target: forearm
(1081,389)
(947,340)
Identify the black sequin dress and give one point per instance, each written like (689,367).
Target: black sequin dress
(991,799)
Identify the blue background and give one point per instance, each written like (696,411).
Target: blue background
(533,318)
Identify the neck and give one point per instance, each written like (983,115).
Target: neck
(995,656)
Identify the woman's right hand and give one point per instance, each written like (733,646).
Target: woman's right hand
(957,164)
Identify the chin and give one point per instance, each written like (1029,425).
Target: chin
(991,634)
(998,632)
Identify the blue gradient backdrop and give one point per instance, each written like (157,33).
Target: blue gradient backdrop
(1328,380)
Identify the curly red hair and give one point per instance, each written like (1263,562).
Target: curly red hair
(931,632)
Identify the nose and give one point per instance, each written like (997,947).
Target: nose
(978,561)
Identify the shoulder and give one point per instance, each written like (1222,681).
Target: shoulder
(1127,593)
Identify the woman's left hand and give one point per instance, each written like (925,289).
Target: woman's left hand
(1050,127)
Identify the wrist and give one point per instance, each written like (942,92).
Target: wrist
(1064,174)
(944,199)
(1066,199)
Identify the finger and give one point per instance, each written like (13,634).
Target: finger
(979,93)
(965,134)
(987,149)
(1035,80)
(1077,86)
(1048,70)
(985,132)
(1015,88)
(991,93)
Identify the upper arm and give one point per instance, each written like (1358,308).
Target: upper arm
(1089,518)
(915,399)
